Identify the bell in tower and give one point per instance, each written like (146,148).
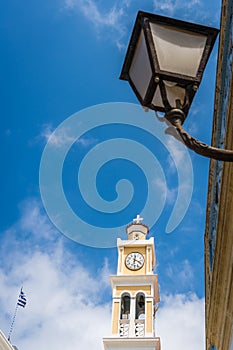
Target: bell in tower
(125,306)
(140,306)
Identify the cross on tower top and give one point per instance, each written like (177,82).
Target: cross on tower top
(137,220)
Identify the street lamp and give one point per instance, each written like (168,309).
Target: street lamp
(164,65)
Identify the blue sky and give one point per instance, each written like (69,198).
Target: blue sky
(62,58)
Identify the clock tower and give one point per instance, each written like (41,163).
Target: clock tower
(135,293)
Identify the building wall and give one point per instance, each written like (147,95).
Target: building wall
(4,343)
(219,219)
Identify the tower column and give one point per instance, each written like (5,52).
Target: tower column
(132,318)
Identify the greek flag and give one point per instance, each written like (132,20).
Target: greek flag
(22,299)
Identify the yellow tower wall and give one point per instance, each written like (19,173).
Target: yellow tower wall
(149,318)
(115,317)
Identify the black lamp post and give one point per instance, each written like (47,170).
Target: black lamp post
(164,65)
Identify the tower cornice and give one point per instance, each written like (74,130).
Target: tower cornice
(114,343)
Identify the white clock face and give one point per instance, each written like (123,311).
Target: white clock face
(134,261)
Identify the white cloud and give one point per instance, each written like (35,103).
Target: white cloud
(66,306)
(169,7)
(34,222)
(92,12)
(102,19)
(62,308)
(180,322)
(62,137)
(169,193)
(179,159)
(182,274)
(178,153)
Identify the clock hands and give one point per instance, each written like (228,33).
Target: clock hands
(138,262)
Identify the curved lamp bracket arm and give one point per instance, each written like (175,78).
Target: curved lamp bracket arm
(197,146)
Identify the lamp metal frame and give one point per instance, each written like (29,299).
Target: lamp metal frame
(189,83)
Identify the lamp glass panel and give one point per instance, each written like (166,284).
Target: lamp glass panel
(178,51)
(140,70)
(157,99)
(174,93)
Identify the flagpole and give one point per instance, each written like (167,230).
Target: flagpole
(13,322)
(21,301)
